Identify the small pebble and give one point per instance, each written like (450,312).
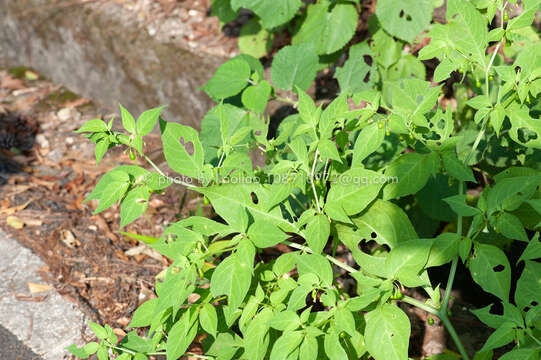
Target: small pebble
(66,114)
(69,140)
(42,141)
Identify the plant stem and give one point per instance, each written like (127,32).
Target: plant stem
(287,100)
(159,171)
(312,181)
(420,305)
(330,258)
(451,330)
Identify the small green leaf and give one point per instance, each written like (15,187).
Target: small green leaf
(333,348)
(369,140)
(256,97)
(127,120)
(254,40)
(501,337)
(315,264)
(455,168)
(98,330)
(285,345)
(181,335)
(285,321)
(459,205)
(344,320)
(317,233)
(309,348)
(230,78)
(208,319)
(182,149)
(95,125)
(272,14)
(147,120)
(511,227)
(411,170)
(134,205)
(144,314)
(264,234)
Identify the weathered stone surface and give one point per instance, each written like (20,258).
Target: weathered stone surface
(45,322)
(99,51)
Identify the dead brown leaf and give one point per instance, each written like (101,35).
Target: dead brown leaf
(37,288)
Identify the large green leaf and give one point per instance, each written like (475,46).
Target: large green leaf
(411,172)
(232,277)
(525,130)
(387,333)
(368,141)
(294,65)
(272,13)
(355,189)
(328,27)
(490,268)
(468,30)
(405,19)
(358,73)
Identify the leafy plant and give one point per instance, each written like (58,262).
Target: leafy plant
(382,164)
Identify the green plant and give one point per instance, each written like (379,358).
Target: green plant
(387,160)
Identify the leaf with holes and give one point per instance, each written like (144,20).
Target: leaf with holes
(358,73)
(387,333)
(490,269)
(405,20)
(183,150)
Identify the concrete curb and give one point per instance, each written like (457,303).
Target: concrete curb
(48,326)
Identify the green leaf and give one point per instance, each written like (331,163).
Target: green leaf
(501,337)
(181,335)
(272,14)
(529,285)
(414,97)
(297,299)
(521,354)
(134,205)
(255,97)
(98,330)
(328,27)
(369,140)
(208,319)
(256,338)
(386,50)
(309,348)
(404,20)
(496,117)
(222,9)
(526,18)
(233,276)
(511,227)
(254,40)
(127,120)
(412,171)
(357,74)
(468,30)
(264,234)
(510,314)
(175,288)
(406,261)
(533,250)
(230,78)
(530,128)
(183,150)
(285,321)
(317,233)
(95,125)
(344,320)
(110,189)
(101,148)
(490,269)
(387,333)
(444,70)
(444,249)
(294,65)
(144,314)
(455,167)
(285,345)
(333,349)
(147,120)
(315,264)
(355,189)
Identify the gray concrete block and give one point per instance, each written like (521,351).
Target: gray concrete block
(48,326)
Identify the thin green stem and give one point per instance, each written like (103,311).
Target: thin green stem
(286,100)
(312,181)
(420,305)
(330,258)
(159,171)
(451,330)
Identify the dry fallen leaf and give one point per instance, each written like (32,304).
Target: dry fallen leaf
(67,238)
(37,288)
(15,222)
